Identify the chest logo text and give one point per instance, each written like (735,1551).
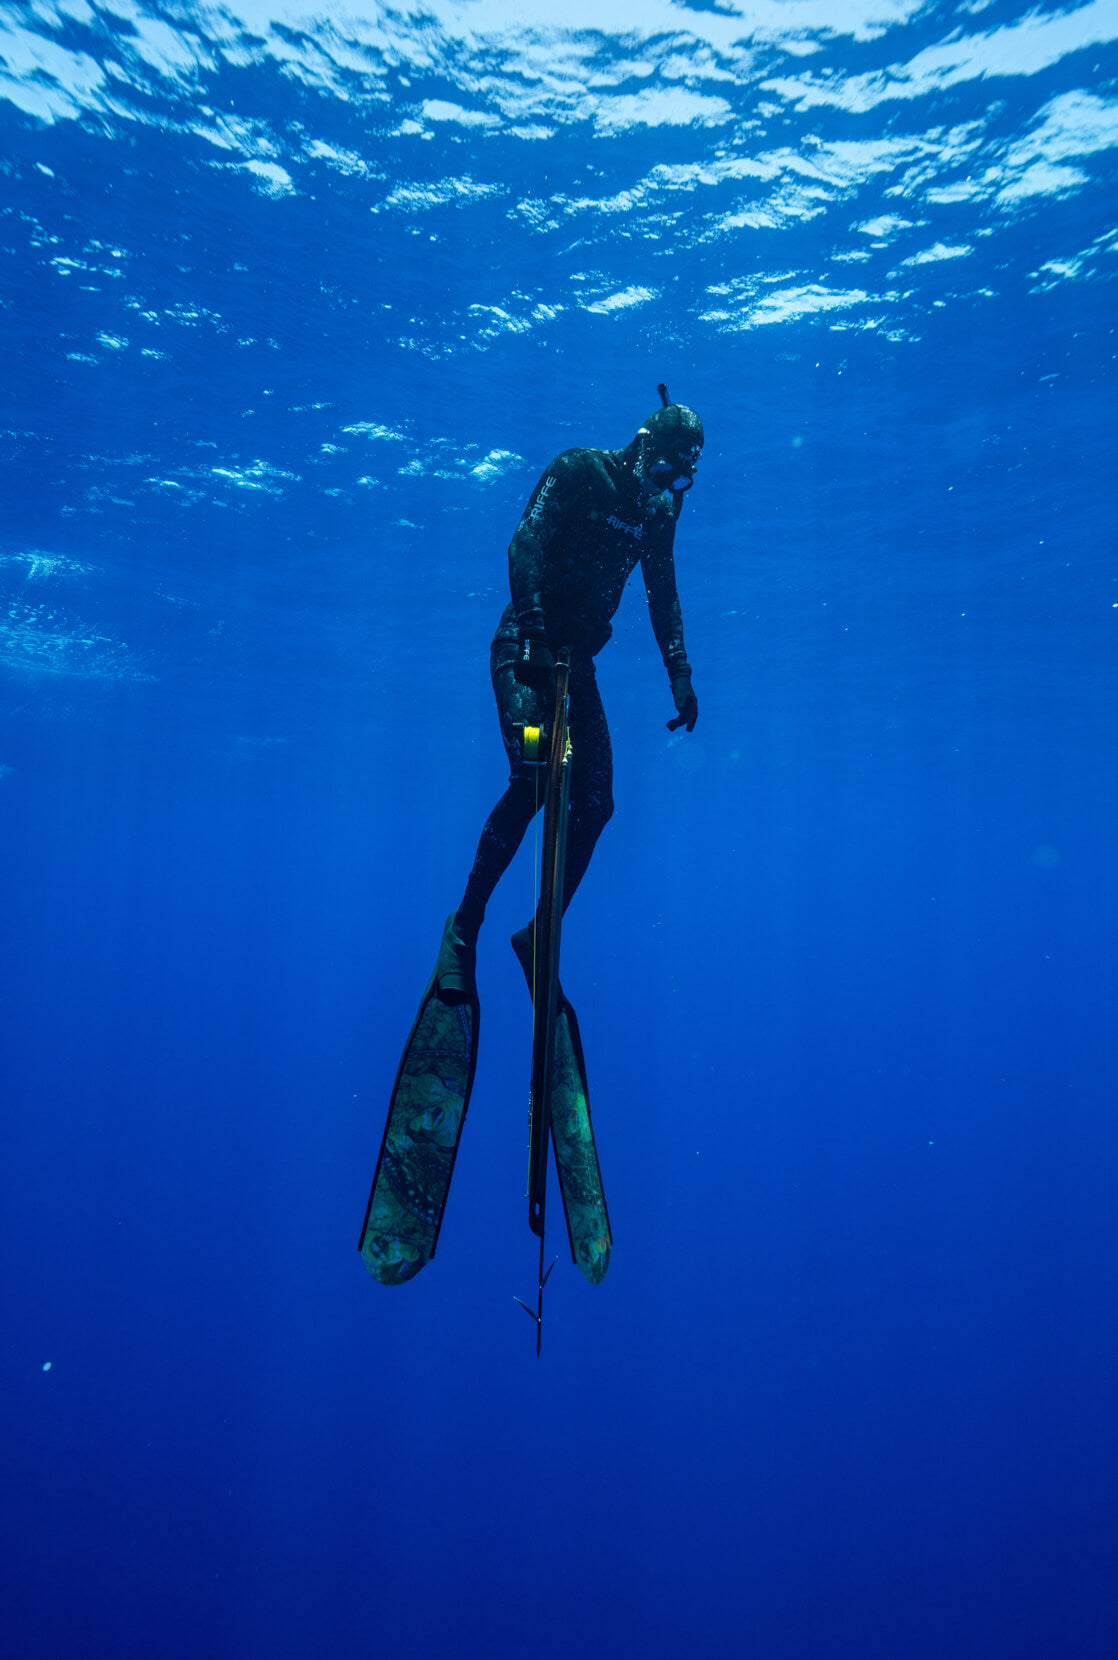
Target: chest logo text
(635,531)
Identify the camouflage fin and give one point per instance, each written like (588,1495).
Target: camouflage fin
(576,1155)
(426,1113)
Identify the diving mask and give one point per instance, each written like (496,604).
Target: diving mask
(669,475)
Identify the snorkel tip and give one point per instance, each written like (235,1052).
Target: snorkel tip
(663,391)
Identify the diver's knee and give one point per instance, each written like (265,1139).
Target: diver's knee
(522,780)
(601,809)
(522,794)
(592,816)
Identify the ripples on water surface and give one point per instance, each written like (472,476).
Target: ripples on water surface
(279,280)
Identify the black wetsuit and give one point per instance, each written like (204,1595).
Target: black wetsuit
(586,527)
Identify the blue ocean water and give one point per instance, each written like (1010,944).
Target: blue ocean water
(297,303)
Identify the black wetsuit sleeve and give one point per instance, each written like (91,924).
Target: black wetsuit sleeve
(658,569)
(530,550)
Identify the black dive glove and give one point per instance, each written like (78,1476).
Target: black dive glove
(685,700)
(535,664)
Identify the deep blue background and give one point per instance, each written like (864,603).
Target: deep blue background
(845,962)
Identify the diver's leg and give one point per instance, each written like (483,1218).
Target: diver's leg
(591,790)
(591,776)
(518,706)
(502,835)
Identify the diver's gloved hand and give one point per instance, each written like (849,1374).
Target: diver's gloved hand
(535,664)
(683,695)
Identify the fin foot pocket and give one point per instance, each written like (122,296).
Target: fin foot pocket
(456,967)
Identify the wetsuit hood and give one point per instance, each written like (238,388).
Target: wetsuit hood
(673,434)
(670,442)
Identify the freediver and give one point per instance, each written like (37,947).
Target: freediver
(592,517)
